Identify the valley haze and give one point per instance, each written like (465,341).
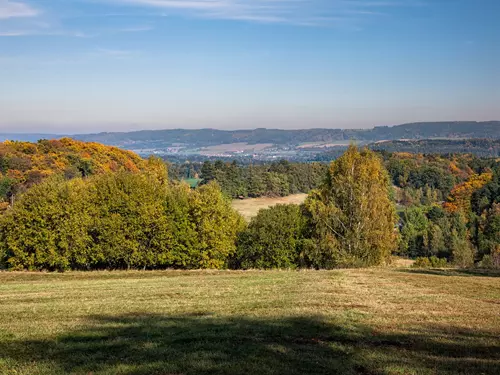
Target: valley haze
(269,144)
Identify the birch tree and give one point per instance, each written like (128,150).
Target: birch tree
(352,216)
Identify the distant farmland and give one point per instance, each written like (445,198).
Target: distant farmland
(234,147)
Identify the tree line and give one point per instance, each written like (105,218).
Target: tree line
(142,220)
(121,220)
(424,178)
(365,207)
(276,179)
(486,147)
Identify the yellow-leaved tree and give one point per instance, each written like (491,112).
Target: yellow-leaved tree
(352,216)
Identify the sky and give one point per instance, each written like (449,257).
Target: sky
(78,66)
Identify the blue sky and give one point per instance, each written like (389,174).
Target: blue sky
(108,65)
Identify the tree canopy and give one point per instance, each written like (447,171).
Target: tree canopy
(352,216)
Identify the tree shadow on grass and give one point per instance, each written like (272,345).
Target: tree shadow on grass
(454,272)
(204,344)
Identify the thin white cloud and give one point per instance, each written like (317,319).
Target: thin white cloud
(18,18)
(303,12)
(15,9)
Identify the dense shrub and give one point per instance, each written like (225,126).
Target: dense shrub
(118,221)
(273,239)
(491,261)
(430,262)
(203,227)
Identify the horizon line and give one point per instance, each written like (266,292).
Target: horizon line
(244,129)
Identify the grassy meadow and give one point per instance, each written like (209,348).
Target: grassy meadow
(370,321)
(250,207)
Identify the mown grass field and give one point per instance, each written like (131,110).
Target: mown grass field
(250,207)
(376,321)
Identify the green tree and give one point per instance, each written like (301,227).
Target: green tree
(207,172)
(436,242)
(255,183)
(352,217)
(217,226)
(47,227)
(117,221)
(414,232)
(129,226)
(273,239)
(460,248)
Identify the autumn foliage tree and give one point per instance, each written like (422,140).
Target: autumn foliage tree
(461,195)
(352,217)
(24,164)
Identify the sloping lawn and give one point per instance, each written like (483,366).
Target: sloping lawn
(376,321)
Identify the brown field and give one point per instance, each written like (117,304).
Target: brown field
(249,208)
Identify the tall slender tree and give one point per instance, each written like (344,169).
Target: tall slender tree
(353,218)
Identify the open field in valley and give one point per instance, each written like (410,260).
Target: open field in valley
(371,321)
(249,208)
(234,147)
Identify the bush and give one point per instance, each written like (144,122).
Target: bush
(272,240)
(422,262)
(431,262)
(438,262)
(118,221)
(491,261)
(47,227)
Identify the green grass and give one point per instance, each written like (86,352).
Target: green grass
(377,321)
(193,182)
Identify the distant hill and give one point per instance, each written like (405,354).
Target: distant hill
(27,137)
(207,137)
(426,130)
(479,147)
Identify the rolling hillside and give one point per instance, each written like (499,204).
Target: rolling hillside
(23,164)
(209,137)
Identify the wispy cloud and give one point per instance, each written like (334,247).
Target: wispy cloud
(302,12)
(18,18)
(15,9)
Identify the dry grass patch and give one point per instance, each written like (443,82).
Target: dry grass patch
(250,207)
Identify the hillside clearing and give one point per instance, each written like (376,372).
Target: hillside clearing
(250,207)
(372,321)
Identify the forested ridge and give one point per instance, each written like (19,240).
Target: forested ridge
(24,164)
(97,207)
(205,137)
(478,146)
